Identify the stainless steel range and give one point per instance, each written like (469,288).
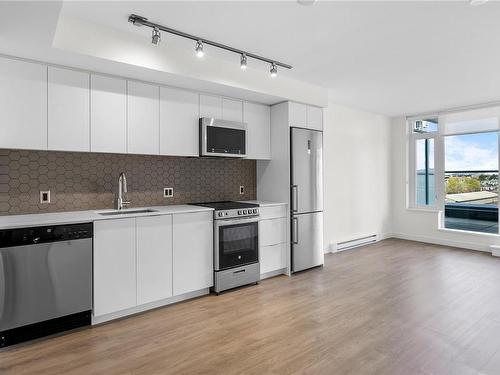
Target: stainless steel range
(236,244)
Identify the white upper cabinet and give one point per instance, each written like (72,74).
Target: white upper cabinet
(232,110)
(210,106)
(314,117)
(68,110)
(258,119)
(23,105)
(108,120)
(143,118)
(154,258)
(114,265)
(179,122)
(192,252)
(297,115)
(305,116)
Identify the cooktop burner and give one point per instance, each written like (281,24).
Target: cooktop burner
(226,205)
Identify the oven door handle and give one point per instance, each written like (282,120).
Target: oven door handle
(223,222)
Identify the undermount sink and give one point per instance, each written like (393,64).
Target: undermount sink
(126,212)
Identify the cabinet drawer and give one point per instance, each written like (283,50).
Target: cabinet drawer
(273,258)
(272,231)
(272,212)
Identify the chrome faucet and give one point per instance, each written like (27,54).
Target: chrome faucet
(122,190)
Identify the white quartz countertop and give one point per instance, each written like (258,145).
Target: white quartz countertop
(266,203)
(56,218)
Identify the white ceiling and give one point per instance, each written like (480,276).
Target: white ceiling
(391,58)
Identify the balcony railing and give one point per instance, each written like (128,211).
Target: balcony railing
(472,216)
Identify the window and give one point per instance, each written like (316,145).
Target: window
(423,134)
(471,182)
(424,183)
(454,165)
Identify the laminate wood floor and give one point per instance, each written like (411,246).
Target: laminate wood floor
(395,307)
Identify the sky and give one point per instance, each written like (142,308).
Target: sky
(468,152)
(471,152)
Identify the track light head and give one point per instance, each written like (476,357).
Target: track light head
(199,49)
(274,70)
(243,63)
(156,37)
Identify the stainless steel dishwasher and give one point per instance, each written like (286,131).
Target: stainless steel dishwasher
(45,281)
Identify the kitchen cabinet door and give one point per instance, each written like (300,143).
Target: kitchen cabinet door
(143,118)
(114,265)
(232,110)
(258,119)
(192,252)
(108,117)
(210,106)
(273,231)
(23,105)
(179,122)
(297,115)
(68,110)
(314,118)
(272,258)
(154,258)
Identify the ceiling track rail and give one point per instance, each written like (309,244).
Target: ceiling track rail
(143,21)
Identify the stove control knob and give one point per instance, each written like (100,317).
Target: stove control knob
(255,211)
(244,212)
(239,212)
(220,214)
(226,213)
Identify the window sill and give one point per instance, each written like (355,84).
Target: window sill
(423,209)
(468,232)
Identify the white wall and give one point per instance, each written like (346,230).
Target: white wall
(422,225)
(357,174)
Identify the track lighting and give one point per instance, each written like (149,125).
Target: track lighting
(199,49)
(274,70)
(243,63)
(156,38)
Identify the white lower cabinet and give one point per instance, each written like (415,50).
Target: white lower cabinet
(154,258)
(114,265)
(139,261)
(193,252)
(273,239)
(272,258)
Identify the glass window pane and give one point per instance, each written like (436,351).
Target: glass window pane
(471,182)
(425,126)
(425,195)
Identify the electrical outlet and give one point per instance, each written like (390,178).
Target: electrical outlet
(242,189)
(168,192)
(44,196)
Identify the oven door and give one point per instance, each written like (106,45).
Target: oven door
(236,242)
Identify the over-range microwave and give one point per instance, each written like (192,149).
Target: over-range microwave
(223,138)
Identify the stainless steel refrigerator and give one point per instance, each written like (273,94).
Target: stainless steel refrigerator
(306,149)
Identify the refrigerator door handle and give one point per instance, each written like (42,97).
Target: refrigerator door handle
(295,232)
(295,198)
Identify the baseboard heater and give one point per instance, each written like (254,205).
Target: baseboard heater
(346,245)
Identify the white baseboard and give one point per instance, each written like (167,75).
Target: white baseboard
(444,242)
(148,306)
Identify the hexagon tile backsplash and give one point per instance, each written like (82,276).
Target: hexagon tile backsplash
(86,181)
